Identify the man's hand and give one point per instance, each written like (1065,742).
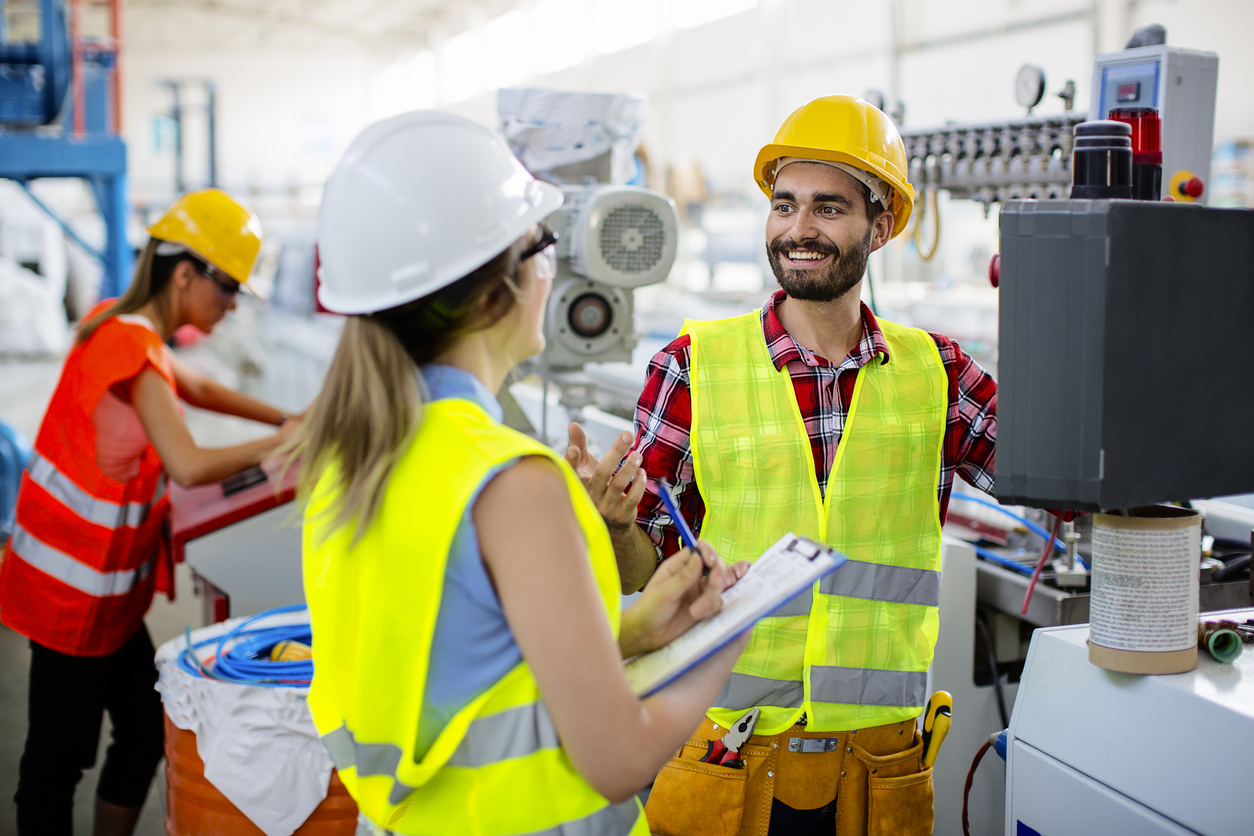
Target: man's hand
(676,598)
(616,494)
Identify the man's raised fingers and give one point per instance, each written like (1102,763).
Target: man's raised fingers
(609,462)
(621,481)
(578,438)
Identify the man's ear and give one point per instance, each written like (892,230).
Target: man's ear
(882,229)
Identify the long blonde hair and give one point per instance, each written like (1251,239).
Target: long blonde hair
(370,404)
(151,278)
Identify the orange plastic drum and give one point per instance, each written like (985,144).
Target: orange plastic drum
(194,807)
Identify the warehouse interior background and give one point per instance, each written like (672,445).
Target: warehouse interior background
(289,83)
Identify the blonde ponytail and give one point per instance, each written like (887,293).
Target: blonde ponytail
(361,422)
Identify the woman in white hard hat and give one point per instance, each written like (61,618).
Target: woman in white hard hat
(461,583)
(87,550)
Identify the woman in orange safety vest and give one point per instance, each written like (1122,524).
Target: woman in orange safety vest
(87,549)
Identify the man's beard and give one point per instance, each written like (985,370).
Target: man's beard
(841,275)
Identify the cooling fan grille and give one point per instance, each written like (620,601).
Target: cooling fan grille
(632,239)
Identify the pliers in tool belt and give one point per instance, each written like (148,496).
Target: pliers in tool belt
(726,750)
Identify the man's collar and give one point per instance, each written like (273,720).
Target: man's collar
(785,349)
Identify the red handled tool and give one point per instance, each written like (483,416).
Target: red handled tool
(725,751)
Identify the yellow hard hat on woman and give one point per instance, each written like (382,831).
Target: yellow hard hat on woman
(846,131)
(215,227)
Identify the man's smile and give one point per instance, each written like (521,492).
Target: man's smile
(805,258)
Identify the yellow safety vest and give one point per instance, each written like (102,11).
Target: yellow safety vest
(498,767)
(854,653)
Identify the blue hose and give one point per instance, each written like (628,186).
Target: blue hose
(1033,527)
(242,655)
(1004,562)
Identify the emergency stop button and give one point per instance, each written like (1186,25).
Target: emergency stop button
(1186,186)
(1193,187)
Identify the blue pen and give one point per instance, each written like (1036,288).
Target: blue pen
(672,507)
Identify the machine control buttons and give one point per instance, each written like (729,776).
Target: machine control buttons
(1186,186)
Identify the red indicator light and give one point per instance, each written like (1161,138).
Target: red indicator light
(1129,92)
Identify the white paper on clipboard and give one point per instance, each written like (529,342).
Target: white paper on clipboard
(784,570)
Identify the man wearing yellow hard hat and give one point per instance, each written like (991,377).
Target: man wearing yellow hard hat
(812,416)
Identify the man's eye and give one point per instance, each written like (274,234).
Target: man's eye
(783,208)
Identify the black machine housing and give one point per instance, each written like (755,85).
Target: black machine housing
(1126,367)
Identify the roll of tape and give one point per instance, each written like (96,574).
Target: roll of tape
(1143,610)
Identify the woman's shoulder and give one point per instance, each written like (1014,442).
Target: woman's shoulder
(130,340)
(459,423)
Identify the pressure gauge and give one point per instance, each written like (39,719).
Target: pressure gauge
(1030,86)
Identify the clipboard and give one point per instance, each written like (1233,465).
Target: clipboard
(785,570)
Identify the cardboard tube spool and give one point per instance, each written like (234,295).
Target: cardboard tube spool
(1143,611)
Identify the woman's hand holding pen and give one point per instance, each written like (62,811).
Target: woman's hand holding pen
(686,588)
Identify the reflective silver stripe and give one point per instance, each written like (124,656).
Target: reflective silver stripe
(98,511)
(520,725)
(614,820)
(72,571)
(368,758)
(745,691)
(882,582)
(798,605)
(513,733)
(867,686)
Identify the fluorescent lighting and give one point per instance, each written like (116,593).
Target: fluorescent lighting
(461,66)
(559,29)
(622,24)
(421,80)
(506,50)
(404,85)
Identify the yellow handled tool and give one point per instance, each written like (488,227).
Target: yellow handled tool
(936,721)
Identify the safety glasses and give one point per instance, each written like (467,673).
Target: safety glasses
(546,248)
(227,286)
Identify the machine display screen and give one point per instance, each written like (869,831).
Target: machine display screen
(1130,85)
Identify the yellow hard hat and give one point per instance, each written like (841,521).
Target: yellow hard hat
(216,227)
(843,129)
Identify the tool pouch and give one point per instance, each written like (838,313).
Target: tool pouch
(690,798)
(898,793)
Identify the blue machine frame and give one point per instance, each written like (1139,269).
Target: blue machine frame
(34,80)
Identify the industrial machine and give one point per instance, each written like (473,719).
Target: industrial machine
(1030,157)
(1115,288)
(60,116)
(1095,295)
(1094,752)
(614,237)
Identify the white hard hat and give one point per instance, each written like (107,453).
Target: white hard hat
(418,201)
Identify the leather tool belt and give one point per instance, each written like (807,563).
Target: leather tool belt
(875,775)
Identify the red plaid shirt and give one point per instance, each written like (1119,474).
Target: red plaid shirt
(664,417)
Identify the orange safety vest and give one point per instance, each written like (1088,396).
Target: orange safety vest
(87,551)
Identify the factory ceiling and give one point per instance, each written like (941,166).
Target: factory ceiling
(374,24)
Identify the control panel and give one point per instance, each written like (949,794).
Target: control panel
(1181,83)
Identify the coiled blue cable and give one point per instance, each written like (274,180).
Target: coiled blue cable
(242,654)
